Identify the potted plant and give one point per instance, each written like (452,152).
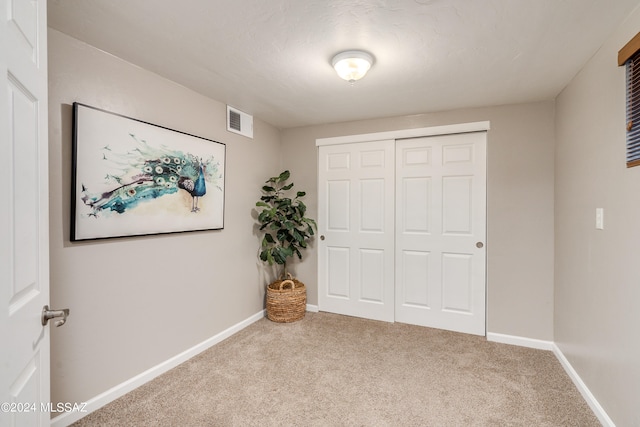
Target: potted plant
(286,232)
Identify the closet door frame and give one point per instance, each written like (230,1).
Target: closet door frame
(370,137)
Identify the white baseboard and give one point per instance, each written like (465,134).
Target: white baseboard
(312,308)
(550,345)
(520,341)
(584,390)
(68,418)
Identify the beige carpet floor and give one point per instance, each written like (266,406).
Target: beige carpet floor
(331,370)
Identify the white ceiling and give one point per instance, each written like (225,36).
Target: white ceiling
(271,58)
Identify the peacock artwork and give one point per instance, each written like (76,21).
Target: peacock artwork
(134,178)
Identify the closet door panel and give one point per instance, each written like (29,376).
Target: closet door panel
(440,232)
(356,225)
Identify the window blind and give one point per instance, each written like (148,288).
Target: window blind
(629,56)
(633,110)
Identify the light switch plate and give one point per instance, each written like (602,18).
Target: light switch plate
(599,218)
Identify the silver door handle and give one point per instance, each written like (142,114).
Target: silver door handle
(51,314)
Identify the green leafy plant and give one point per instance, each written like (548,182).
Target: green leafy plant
(282,219)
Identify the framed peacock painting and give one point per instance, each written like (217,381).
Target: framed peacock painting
(133,178)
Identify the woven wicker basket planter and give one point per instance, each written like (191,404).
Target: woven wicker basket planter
(286,301)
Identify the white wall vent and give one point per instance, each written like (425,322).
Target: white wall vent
(239,122)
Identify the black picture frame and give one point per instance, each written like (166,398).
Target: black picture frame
(134,178)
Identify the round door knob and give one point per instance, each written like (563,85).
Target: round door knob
(322,237)
(479,245)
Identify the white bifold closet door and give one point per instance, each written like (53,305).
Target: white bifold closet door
(403,226)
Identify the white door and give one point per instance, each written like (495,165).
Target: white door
(440,232)
(356,223)
(24,241)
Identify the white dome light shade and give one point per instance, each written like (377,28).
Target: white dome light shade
(352,65)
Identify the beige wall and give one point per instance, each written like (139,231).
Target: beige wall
(597,286)
(520,179)
(136,302)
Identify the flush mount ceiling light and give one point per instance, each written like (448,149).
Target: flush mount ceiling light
(352,65)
